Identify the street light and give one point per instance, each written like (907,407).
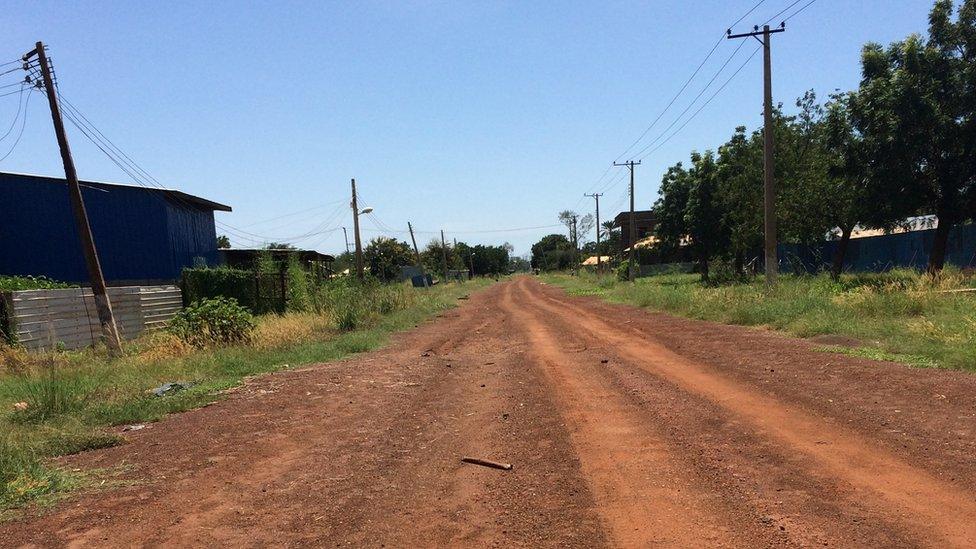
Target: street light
(356,212)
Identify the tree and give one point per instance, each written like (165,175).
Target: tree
(740,171)
(703,212)
(279,246)
(553,252)
(916,108)
(670,208)
(844,193)
(385,256)
(223,242)
(609,238)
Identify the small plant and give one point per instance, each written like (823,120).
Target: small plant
(50,393)
(214,321)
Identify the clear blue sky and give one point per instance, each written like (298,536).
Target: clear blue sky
(460,116)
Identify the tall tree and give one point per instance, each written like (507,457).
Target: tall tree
(703,212)
(670,209)
(916,108)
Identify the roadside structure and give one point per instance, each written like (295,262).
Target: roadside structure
(144,235)
(644,223)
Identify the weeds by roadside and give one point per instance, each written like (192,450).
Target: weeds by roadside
(896,314)
(60,403)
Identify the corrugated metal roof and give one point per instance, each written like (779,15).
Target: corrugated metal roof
(173,193)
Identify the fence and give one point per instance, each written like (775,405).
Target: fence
(881,253)
(43,318)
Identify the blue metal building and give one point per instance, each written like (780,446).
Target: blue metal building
(142,234)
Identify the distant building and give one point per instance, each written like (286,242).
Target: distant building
(143,235)
(644,222)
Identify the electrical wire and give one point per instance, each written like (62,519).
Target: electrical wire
(20,107)
(705,104)
(21,133)
(795,13)
(784,10)
(679,92)
(693,101)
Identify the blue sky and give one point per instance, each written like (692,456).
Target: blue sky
(460,116)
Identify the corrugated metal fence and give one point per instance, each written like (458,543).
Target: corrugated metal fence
(45,318)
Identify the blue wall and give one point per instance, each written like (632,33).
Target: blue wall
(140,234)
(881,253)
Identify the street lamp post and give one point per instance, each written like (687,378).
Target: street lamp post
(355,222)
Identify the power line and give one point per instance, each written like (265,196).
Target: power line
(693,101)
(679,92)
(705,104)
(784,10)
(21,133)
(797,12)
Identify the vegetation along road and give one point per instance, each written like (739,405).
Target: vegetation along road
(624,427)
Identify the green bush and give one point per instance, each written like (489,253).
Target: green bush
(351,304)
(622,273)
(17,283)
(215,321)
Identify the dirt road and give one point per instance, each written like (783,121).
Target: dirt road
(625,428)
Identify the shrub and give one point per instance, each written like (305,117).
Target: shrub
(216,321)
(622,270)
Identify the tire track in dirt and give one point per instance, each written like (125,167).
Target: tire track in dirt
(364,451)
(644,495)
(881,481)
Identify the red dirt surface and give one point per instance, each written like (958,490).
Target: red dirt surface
(625,428)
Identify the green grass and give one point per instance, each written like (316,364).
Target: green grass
(899,315)
(73,398)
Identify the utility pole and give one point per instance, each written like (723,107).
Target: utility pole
(769,183)
(103,304)
(355,230)
(345,237)
(599,254)
(575,248)
(420,264)
(444,254)
(633,226)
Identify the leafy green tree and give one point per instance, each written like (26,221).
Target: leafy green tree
(740,171)
(844,194)
(279,246)
(385,256)
(223,241)
(916,108)
(670,209)
(703,212)
(552,253)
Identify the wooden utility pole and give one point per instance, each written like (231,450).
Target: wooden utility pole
(416,251)
(355,230)
(444,254)
(103,304)
(345,238)
(599,254)
(769,182)
(575,248)
(633,225)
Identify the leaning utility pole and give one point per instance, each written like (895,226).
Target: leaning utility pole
(345,238)
(769,188)
(102,303)
(355,230)
(599,259)
(420,264)
(444,254)
(633,227)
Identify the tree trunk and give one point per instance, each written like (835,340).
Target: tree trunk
(703,267)
(837,265)
(739,264)
(940,245)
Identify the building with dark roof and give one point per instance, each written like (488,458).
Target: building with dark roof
(143,235)
(644,223)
